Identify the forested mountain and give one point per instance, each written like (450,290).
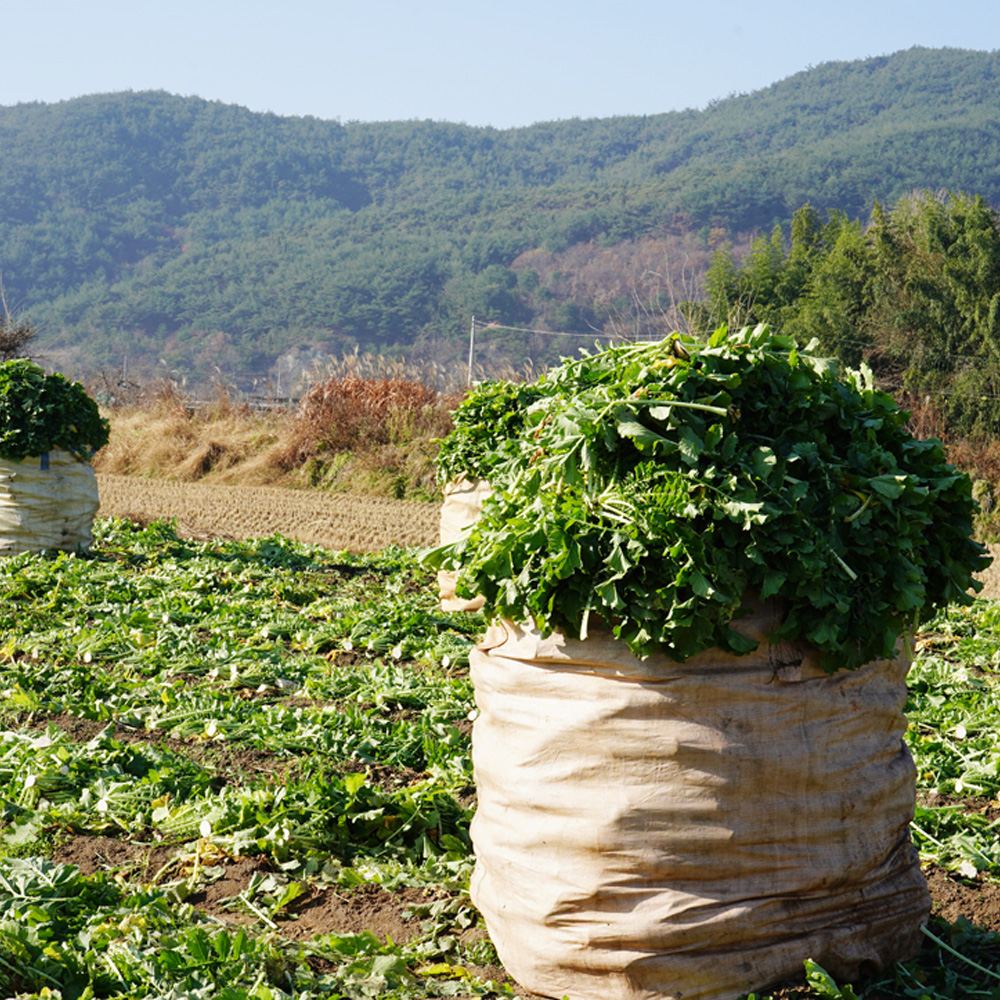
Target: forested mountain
(148,226)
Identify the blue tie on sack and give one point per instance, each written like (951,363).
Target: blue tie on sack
(44,462)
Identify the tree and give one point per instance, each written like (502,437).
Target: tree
(834,296)
(916,294)
(15,334)
(769,284)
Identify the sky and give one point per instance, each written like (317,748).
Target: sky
(505,63)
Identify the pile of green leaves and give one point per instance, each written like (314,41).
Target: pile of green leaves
(656,486)
(486,425)
(39,413)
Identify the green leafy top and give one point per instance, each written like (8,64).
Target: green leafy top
(486,426)
(655,486)
(40,412)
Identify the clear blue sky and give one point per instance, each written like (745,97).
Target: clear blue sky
(503,63)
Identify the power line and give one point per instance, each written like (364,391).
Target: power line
(558,333)
(544,333)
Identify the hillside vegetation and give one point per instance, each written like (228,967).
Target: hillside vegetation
(915,294)
(137,228)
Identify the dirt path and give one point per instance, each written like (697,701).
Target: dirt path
(339,522)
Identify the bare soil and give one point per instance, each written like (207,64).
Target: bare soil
(320,911)
(340,522)
(991,578)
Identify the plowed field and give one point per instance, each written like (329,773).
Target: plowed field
(335,521)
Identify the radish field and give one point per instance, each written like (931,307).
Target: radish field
(240,769)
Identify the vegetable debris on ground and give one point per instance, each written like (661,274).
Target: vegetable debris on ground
(178,662)
(173,712)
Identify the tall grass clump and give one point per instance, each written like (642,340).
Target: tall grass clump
(158,433)
(368,434)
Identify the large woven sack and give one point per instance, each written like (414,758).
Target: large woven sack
(47,502)
(653,829)
(463,501)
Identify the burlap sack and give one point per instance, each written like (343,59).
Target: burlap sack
(47,502)
(463,500)
(650,829)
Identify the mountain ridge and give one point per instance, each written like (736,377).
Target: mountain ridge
(214,237)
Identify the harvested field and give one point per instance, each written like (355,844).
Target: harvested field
(335,521)
(316,691)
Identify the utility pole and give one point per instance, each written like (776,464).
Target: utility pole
(472,346)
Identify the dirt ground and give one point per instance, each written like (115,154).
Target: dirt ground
(991,578)
(335,521)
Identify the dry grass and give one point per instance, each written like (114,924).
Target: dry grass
(375,435)
(163,437)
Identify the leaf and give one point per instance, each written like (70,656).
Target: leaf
(774,580)
(291,892)
(824,984)
(644,438)
(618,562)
(764,461)
(24,833)
(744,512)
(444,969)
(891,487)
(691,446)
(199,944)
(738,643)
(40,412)
(719,337)
(353,782)
(389,965)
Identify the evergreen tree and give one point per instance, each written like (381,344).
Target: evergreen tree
(916,295)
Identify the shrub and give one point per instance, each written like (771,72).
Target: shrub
(351,413)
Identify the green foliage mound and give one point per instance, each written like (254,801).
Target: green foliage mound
(656,486)
(485,429)
(40,412)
